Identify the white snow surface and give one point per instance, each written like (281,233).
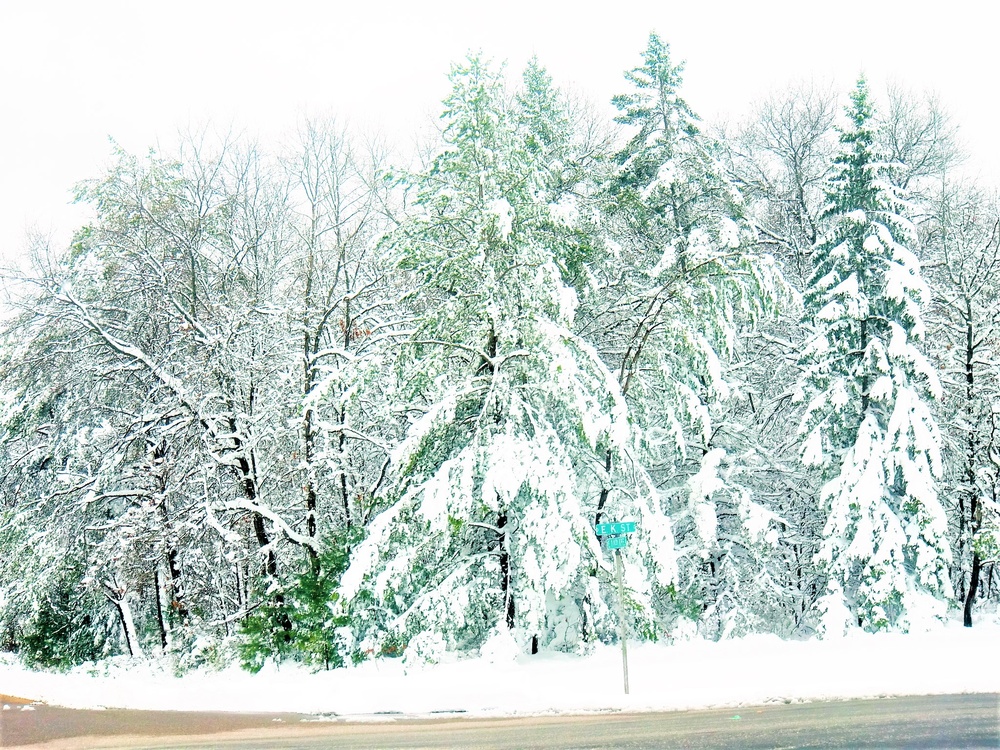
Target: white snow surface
(692,674)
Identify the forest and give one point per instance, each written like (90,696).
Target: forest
(307,403)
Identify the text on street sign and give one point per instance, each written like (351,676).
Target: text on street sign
(613,529)
(617,542)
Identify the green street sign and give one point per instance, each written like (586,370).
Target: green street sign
(617,542)
(613,529)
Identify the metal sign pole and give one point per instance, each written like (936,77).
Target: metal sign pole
(621,615)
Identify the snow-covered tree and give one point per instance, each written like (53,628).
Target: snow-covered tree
(159,333)
(49,448)
(963,239)
(867,387)
(490,527)
(680,277)
(781,160)
(344,316)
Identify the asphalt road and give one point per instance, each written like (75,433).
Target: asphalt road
(949,721)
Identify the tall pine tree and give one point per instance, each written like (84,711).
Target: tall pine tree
(867,423)
(489,529)
(682,279)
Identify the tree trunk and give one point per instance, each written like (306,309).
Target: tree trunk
(241,589)
(176,586)
(342,417)
(505,577)
(129,623)
(308,443)
(967,526)
(158,586)
(309,437)
(118,597)
(604,490)
(310,346)
(270,564)
(345,498)
(970,598)
(176,599)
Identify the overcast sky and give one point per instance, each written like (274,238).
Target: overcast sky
(74,73)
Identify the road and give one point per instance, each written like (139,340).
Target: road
(949,721)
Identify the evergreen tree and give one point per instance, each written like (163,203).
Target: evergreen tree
(682,274)
(868,424)
(682,277)
(489,531)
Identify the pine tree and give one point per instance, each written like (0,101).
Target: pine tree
(683,276)
(489,530)
(868,424)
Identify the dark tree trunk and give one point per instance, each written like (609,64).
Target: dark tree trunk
(311,525)
(505,577)
(270,567)
(173,566)
(125,629)
(117,597)
(241,590)
(176,587)
(158,585)
(310,346)
(961,544)
(308,441)
(344,495)
(605,491)
(342,416)
(970,598)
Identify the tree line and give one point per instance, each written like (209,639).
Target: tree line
(311,404)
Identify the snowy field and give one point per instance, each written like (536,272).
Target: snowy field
(693,674)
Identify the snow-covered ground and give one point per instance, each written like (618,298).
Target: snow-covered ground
(753,670)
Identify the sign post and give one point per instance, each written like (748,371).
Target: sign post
(617,540)
(621,614)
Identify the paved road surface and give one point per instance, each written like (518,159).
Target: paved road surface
(950,721)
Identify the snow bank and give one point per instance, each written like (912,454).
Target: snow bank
(695,674)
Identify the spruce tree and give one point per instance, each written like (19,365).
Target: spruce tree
(868,425)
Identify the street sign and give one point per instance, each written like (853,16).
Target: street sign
(613,529)
(621,609)
(615,534)
(617,542)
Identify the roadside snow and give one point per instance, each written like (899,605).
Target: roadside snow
(694,674)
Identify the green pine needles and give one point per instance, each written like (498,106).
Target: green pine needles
(490,529)
(868,425)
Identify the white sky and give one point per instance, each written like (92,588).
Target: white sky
(74,73)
